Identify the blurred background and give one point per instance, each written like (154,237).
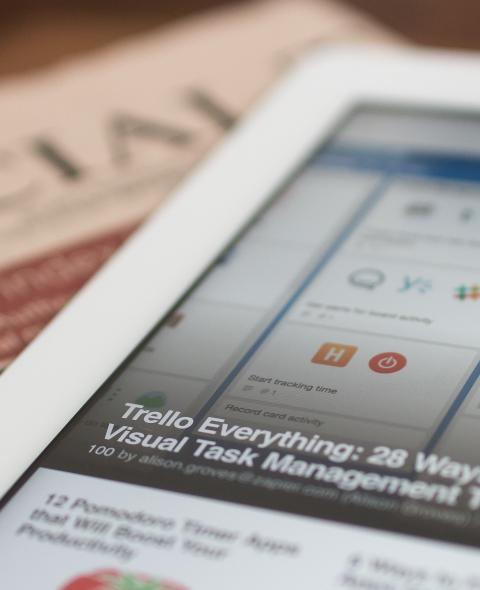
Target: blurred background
(34,34)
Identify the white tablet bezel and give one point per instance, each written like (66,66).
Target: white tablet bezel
(83,345)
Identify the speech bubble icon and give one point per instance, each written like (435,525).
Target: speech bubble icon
(366,278)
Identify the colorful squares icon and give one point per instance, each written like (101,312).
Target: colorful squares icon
(463,292)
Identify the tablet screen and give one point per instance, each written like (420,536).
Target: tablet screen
(311,408)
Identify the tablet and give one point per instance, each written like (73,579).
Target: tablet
(275,381)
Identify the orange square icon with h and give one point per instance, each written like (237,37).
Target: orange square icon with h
(334,354)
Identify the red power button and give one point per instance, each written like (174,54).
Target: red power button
(387,362)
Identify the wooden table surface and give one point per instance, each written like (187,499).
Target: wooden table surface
(34,34)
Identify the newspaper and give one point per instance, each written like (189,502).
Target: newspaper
(90,147)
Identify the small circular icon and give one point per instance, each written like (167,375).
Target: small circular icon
(153,400)
(387,362)
(366,278)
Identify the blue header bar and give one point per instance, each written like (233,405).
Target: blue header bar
(423,164)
